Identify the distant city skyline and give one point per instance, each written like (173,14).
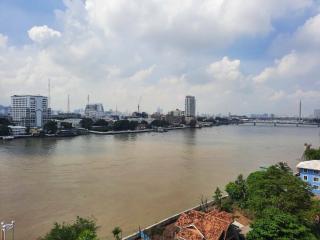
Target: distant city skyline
(263,57)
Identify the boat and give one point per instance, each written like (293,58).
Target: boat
(161,129)
(8,138)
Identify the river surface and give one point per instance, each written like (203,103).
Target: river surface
(132,180)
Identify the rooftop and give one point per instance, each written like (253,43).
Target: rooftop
(27,95)
(311,164)
(196,225)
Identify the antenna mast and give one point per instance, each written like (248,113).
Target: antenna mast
(139,104)
(300,105)
(49,93)
(68,103)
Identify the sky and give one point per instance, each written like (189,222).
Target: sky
(251,56)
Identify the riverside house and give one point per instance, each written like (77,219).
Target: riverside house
(309,171)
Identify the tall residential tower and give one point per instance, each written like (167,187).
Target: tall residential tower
(190,106)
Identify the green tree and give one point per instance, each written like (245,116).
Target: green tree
(312,153)
(278,225)
(87,235)
(193,123)
(81,229)
(5,121)
(121,125)
(66,125)
(4,130)
(237,190)
(86,123)
(277,188)
(217,197)
(159,123)
(50,127)
(101,122)
(133,125)
(117,232)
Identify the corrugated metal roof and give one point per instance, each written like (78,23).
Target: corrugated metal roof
(311,164)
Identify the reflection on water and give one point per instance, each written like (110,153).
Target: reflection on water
(132,179)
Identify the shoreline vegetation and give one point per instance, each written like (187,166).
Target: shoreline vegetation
(272,202)
(86,126)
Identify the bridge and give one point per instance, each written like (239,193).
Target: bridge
(279,123)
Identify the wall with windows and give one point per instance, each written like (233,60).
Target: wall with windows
(312,177)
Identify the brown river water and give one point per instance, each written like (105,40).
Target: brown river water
(132,180)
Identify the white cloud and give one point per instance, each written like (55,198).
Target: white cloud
(285,67)
(162,50)
(3,41)
(225,70)
(40,34)
(205,23)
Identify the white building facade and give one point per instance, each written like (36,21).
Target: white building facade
(190,106)
(94,111)
(317,113)
(17,130)
(30,110)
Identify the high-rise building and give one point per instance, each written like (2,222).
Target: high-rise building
(190,106)
(30,110)
(95,111)
(317,113)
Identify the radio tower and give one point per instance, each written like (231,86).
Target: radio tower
(49,93)
(88,99)
(300,105)
(68,103)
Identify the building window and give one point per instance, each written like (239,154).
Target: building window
(315,171)
(315,187)
(305,178)
(305,170)
(315,179)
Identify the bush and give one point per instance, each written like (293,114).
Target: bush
(312,153)
(81,229)
(276,224)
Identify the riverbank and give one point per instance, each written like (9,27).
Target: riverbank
(6,138)
(167,221)
(166,229)
(137,131)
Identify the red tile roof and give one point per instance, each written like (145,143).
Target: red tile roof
(196,225)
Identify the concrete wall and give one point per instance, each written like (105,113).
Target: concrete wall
(166,221)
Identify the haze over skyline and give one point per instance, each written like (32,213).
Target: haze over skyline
(234,56)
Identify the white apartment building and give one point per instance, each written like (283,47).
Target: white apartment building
(94,111)
(30,110)
(190,106)
(17,130)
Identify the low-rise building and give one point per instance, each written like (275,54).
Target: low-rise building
(94,111)
(75,122)
(309,171)
(17,130)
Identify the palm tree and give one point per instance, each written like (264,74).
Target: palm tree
(117,232)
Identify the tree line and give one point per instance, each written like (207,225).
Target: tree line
(281,205)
